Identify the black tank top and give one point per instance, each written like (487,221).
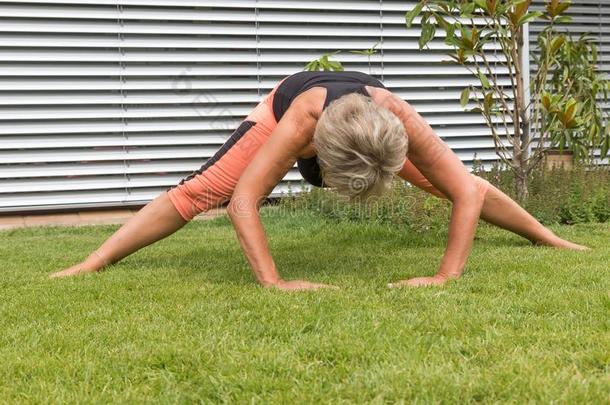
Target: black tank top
(337,84)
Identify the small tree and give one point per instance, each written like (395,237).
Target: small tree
(577,81)
(324,62)
(471,28)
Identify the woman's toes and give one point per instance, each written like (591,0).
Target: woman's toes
(565,244)
(575,246)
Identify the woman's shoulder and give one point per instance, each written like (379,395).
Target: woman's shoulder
(390,101)
(309,103)
(304,113)
(381,95)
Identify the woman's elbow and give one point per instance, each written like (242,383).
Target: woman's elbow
(241,206)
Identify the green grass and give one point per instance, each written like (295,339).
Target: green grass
(184,321)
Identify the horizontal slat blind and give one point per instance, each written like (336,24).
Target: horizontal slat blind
(109,102)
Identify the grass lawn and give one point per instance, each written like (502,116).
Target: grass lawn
(183,320)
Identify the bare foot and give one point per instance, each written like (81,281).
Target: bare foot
(75,270)
(563,244)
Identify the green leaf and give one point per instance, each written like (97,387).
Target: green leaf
(411,14)
(570,110)
(529,17)
(488,102)
(546,101)
(450,35)
(464,97)
(312,66)
(593,132)
(425,17)
(484,80)
(557,42)
(443,23)
(564,6)
(427,33)
(564,19)
(606,143)
(467,9)
(335,65)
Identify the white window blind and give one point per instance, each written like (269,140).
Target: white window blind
(109,102)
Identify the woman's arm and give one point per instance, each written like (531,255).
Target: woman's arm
(446,172)
(271,163)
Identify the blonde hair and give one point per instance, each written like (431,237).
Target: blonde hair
(360,146)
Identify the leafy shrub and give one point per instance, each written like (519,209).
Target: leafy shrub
(556,196)
(559,195)
(403,205)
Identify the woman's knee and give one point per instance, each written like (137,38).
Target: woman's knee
(482,186)
(191,201)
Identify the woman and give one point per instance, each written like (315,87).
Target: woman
(345,130)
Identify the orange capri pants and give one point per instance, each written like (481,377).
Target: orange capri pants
(213,183)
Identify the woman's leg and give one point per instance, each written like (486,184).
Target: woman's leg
(206,188)
(498,209)
(155,221)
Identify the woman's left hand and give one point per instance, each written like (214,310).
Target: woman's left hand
(419,281)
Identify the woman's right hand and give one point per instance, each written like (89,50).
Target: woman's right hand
(298,285)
